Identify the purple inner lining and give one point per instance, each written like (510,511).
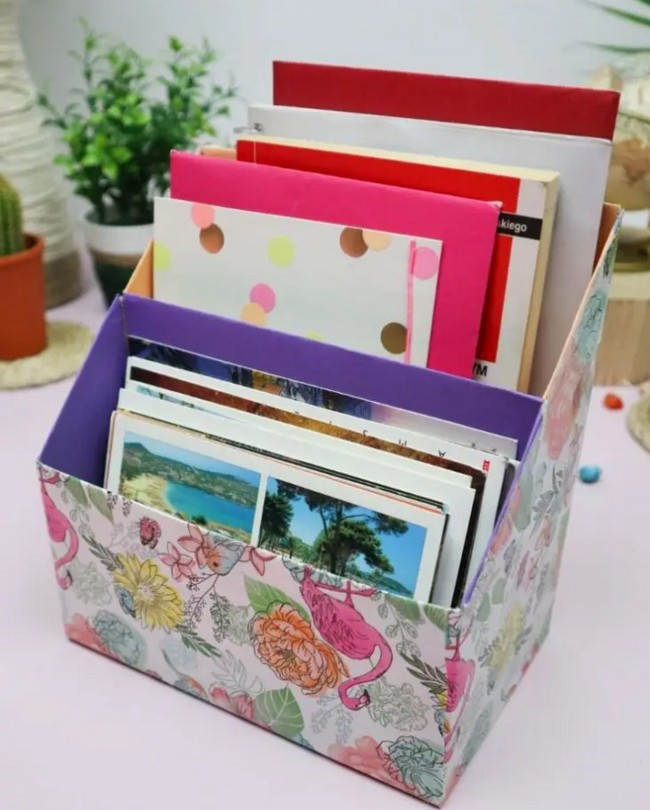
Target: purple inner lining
(78,441)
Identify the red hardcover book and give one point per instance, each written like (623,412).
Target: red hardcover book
(481,102)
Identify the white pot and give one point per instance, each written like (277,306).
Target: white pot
(117,240)
(116,249)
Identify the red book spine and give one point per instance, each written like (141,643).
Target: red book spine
(481,102)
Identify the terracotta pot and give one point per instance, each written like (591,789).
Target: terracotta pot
(115,249)
(22,302)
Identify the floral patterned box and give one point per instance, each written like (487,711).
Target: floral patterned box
(401,691)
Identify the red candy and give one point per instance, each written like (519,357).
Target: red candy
(613,402)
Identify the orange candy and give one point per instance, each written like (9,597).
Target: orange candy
(613,402)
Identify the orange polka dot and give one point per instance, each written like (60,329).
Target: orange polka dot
(253,313)
(377,240)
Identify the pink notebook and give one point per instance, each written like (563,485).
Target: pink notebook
(467,229)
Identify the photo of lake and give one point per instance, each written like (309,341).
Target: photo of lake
(191,501)
(194,487)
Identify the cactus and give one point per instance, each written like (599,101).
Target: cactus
(11,220)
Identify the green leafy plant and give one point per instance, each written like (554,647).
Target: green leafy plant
(628,16)
(118,136)
(11,220)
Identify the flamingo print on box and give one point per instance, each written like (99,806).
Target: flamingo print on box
(60,529)
(344,627)
(460,674)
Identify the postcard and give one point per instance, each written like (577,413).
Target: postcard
(312,450)
(185,387)
(235,495)
(335,401)
(363,466)
(344,538)
(212,493)
(225,398)
(258,380)
(482,518)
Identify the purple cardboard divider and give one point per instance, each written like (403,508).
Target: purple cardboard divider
(78,441)
(432,393)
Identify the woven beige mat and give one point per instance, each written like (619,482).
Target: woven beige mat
(67,346)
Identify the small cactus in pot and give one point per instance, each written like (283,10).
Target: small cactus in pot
(12,239)
(22,282)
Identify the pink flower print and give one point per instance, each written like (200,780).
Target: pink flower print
(149,532)
(220,557)
(572,464)
(182,566)
(198,544)
(241,705)
(515,499)
(364,756)
(508,524)
(257,558)
(152,674)
(503,534)
(460,674)
(526,665)
(79,630)
(563,407)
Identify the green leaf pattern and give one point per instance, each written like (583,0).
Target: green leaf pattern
(76,489)
(99,500)
(262,597)
(279,710)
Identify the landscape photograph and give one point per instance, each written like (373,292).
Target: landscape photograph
(248,378)
(341,537)
(196,488)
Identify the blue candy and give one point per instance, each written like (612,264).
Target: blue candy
(590,474)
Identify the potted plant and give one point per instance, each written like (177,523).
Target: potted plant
(22,282)
(119,135)
(26,161)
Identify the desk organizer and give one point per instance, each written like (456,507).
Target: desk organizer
(401,691)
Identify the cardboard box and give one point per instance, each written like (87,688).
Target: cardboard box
(402,691)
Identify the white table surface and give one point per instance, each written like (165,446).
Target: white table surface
(79,732)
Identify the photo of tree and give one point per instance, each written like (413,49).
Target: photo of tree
(342,537)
